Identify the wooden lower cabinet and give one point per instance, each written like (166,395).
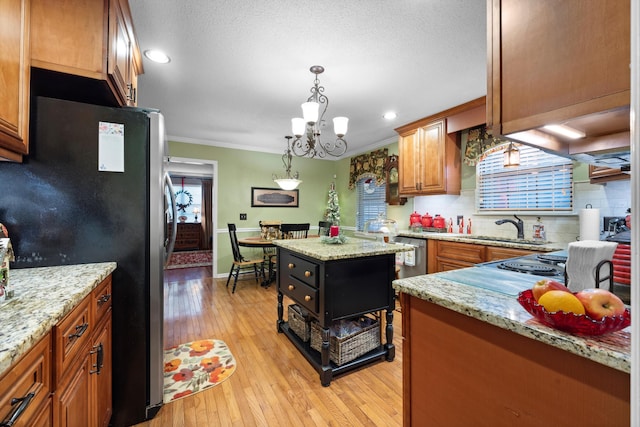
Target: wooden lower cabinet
(73,396)
(494,253)
(30,378)
(83,395)
(443,255)
(101,372)
(460,371)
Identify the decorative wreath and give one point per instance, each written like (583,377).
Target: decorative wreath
(181,196)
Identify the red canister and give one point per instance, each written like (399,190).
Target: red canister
(427,220)
(438,222)
(414,218)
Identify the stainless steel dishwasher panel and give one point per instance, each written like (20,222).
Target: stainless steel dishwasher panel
(418,257)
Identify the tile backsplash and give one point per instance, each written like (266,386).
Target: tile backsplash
(612,198)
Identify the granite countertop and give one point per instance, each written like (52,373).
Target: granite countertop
(43,296)
(486,240)
(503,310)
(352,248)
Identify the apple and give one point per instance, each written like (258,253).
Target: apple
(545,285)
(599,303)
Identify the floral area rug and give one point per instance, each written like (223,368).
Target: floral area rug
(190,259)
(196,366)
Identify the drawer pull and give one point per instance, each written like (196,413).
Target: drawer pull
(104,298)
(291,287)
(291,266)
(24,404)
(80,330)
(99,350)
(307,273)
(307,298)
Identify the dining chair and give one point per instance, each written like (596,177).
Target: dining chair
(295,231)
(240,264)
(323,228)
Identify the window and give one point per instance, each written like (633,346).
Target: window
(188,196)
(542,182)
(370,201)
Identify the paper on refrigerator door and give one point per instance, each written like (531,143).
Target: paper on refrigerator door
(399,258)
(110,147)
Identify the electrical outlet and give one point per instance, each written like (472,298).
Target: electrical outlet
(243,217)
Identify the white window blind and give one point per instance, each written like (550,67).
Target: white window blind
(370,201)
(542,182)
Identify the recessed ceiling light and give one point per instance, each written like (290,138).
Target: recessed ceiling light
(390,115)
(157,56)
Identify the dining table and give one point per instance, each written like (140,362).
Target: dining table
(267,246)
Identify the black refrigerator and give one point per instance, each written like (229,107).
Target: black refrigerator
(93,189)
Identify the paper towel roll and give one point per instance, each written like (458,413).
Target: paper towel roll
(589,224)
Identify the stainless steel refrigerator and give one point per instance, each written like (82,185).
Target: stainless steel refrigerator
(87,194)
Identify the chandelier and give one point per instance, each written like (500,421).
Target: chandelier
(307,129)
(287,182)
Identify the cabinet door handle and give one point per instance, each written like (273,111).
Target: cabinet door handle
(15,414)
(99,350)
(104,298)
(80,330)
(291,266)
(307,298)
(291,287)
(307,273)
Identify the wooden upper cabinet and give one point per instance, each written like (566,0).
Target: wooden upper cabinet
(555,61)
(14,75)
(409,168)
(424,165)
(124,62)
(429,150)
(87,38)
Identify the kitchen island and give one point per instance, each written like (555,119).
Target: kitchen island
(465,346)
(332,282)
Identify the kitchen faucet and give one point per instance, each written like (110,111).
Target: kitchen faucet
(519,225)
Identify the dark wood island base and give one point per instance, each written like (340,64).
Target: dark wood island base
(337,289)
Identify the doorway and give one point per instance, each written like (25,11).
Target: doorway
(192,170)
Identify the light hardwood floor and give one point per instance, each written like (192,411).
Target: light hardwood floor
(273,384)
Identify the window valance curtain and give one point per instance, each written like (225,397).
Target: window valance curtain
(369,165)
(479,142)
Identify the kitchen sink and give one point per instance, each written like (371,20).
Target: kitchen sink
(507,240)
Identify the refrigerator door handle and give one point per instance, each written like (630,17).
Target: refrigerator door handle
(174,224)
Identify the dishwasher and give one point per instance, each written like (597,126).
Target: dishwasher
(412,263)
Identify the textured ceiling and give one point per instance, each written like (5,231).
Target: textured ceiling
(239,70)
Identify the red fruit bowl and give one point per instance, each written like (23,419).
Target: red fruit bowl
(571,322)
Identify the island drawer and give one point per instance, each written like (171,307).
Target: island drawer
(303,270)
(300,292)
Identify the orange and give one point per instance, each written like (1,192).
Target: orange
(555,300)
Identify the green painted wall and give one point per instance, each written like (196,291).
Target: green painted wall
(239,170)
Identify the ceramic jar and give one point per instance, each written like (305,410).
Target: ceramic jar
(414,218)
(427,220)
(438,222)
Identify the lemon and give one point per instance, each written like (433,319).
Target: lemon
(555,300)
